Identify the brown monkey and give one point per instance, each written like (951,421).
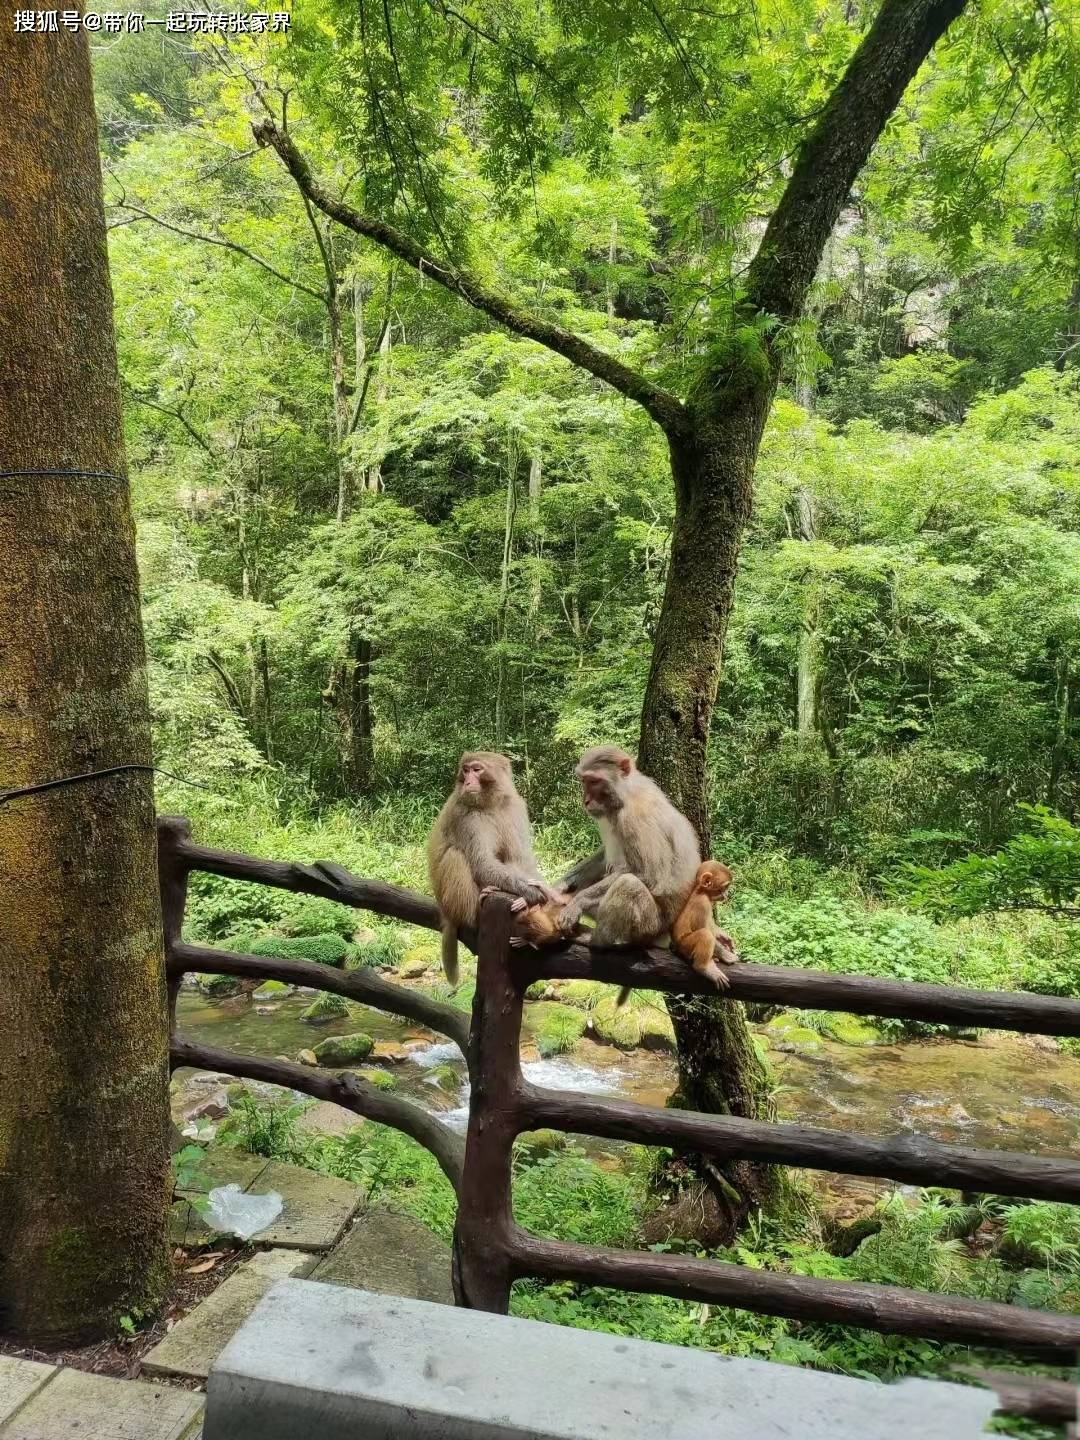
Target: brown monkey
(539,925)
(694,933)
(481,840)
(651,854)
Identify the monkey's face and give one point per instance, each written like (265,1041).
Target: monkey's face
(479,776)
(714,880)
(602,772)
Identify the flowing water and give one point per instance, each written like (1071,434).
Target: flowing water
(1002,1091)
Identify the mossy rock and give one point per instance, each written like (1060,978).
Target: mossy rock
(219,987)
(325,1008)
(556,1028)
(380,1079)
(344,1049)
(538,990)
(446,1078)
(584,994)
(307,1057)
(272,990)
(535,1144)
(657,1031)
(327,949)
(784,1029)
(851,1030)
(617,1024)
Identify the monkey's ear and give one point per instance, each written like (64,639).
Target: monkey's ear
(626,764)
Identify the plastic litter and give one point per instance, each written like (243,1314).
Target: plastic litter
(234,1213)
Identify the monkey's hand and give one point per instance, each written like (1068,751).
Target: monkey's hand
(517,906)
(725,950)
(569,918)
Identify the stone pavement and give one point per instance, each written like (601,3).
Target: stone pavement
(47,1402)
(318,1229)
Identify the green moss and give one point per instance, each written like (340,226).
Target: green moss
(537,990)
(344,1049)
(325,1008)
(219,986)
(322,949)
(380,1079)
(618,1025)
(533,1145)
(556,1027)
(785,1029)
(584,994)
(851,1030)
(272,990)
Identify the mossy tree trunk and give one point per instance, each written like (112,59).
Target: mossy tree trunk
(84,1044)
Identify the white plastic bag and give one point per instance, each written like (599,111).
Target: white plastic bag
(234,1213)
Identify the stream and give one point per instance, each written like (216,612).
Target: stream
(1000,1091)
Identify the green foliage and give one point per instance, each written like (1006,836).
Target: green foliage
(329,950)
(1039,870)
(265,1129)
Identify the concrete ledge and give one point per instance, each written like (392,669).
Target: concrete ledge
(338,1363)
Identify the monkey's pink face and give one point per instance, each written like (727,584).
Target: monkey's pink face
(595,791)
(473,777)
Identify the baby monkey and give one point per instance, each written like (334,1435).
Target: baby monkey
(694,934)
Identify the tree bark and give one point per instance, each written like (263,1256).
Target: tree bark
(84,1058)
(808,662)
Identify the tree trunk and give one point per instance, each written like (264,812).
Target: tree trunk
(84,1058)
(719,1069)
(808,662)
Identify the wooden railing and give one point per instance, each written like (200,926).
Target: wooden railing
(490,1250)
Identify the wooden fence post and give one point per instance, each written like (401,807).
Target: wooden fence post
(482,1237)
(172,831)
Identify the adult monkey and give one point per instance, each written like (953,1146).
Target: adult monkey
(481,840)
(650,860)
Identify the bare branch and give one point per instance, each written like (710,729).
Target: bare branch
(141,214)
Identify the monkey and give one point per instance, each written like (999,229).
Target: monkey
(651,854)
(694,934)
(539,925)
(480,841)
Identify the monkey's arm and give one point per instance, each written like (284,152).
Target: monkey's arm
(491,874)
(587,873)
(585,902)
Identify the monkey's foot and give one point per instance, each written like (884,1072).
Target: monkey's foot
(712,971)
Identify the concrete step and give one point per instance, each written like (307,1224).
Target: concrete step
(67,1404)
(328,1362)
(194,1343)
(391,1255)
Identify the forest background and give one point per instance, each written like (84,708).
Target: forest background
(376,529)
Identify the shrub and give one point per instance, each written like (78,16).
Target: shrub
(322,949)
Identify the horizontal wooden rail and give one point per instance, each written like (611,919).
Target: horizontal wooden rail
(915,1159)
(340,1087)
(814,990)
(364,986)
(1035,1398)
(660,969)
(889,1309)
(323,878)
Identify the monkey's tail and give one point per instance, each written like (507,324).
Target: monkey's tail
(623,995)
(449,952)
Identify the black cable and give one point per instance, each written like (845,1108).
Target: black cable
(6,795)
(91,474)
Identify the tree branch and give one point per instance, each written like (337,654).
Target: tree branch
(902,35)
(140,214)
(666,409)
